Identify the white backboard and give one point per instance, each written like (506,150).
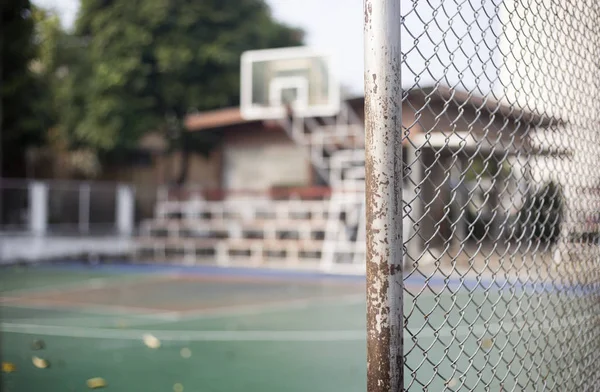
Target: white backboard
(299,77)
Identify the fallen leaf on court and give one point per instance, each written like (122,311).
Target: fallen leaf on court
(8,367)
(178,388)
(40,363)
(151,341)
(96,382)
(38,344)
(487,343)
(185,352)
(451,383)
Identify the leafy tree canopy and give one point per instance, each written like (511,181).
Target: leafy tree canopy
(19,126)
(149,62)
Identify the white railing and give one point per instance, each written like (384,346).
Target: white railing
(41,208)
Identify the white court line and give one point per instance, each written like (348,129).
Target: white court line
(105,310)
(218,313)
(494,329)
(279,336)
(86,284)
(89,283)
(53,288)
(90,322)
(143,319)
(268,307)
(133,334)
(157,314)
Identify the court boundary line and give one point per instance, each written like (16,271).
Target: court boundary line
(492,329)
(467,280)
(86,284)
(269,306)
(106,310)
(230,312)
(26,301)
(214,313)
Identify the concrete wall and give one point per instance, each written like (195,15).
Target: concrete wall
(263,159)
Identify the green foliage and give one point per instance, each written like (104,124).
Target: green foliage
(55,58)
(58,67)
(541,216)
(485,166)
(130,67)
(39,62)
(151,61)
(20,126)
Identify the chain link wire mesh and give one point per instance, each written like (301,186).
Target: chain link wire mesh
(501,143)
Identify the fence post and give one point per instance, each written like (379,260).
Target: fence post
(383,164)
(84,208)
(125,209)
(38,208)
(415,244)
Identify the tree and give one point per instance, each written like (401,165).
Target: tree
(152,61)
(56,65)
(20,126)
(541,216)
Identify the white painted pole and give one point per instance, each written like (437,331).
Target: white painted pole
(383,164)
(38,208)
(125,209)
(462,208)
(84,208)
(415,245)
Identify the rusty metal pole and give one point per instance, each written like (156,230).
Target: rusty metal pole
(383,164)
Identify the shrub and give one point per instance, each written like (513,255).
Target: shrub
(541,216)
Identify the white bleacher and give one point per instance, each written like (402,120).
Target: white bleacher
(305,234)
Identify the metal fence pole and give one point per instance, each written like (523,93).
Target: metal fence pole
(125,211)
(415,244)
(38,208)
(84,208)
(383,164)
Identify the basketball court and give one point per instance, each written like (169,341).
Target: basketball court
(223,330)
(486,322)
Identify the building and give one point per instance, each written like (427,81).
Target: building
(291,191)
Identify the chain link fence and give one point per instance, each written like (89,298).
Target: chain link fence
(494,105)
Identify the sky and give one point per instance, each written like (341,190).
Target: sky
(336,27)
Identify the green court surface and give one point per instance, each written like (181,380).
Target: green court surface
(220,331)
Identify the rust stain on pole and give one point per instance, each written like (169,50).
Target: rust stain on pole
(383,165)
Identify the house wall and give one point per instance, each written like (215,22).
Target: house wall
(261,159)
(254,156)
